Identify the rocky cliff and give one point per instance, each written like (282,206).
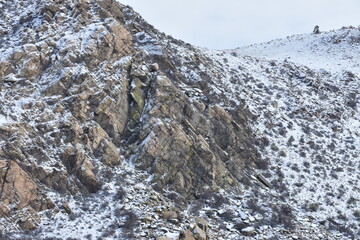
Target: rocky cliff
(110,129)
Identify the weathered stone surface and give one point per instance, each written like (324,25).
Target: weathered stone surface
(186,235)
(67,208)
(5,68)
(110,155)
(164,238)
(199,234)
(28,219)
(112,115)
(77,163)
(86,88)
(110,8)
(154,67)
(169,215)
(31,66)
(88,177)
(188,157)
(17,187)
(19,196)
(203,224)
(122,38)
(248,231)
(96,135)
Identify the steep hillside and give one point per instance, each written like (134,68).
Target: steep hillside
(333,51)
(110,129)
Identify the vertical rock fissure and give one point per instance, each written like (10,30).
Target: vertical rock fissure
(127,131)
(7,168)
(137,92)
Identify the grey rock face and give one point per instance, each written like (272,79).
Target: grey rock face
(90,90)
(98,109)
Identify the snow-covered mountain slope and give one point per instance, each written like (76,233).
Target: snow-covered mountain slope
(109,129)
(308,125)
(332,51)
(306,121)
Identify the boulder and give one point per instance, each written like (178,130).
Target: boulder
(248,231)
(112,114)
(28,219)
(66,208)
(186,235)
(110,8)
(154,67)
(88,177)
(122,38)
(203,224)
(19,196)
(31,66)
(170,215)
(17,187)
(5,68)
(199,234)
(77,163)
(164,238)
(110,154)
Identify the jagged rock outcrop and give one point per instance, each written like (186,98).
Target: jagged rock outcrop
(19,195)
(108,124)
(87,92)
(70,118)
(189,145)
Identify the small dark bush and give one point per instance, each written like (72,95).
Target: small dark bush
(104,205)
(263,164)
(246,181)
(178,199)
(313,207)
(356,213)
(196,207)
(239,226)
(302,154)
(283,132)
(108,232)
(108,174)
(295,167)
(120,195)
(334,175)
(73,216)
(118,212)
(213,199)
(228,215)
(282,153)
(129,223)
(333,225)
(306,164)
(252,204)
(282,215)
(263,142)
(130,219)
(290,141)
(52,238)
(4,236)
(279,185)
(274,147)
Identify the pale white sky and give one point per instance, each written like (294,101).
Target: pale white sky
(232,23)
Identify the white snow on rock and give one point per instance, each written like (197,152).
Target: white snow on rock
(304,92)
(333,51)
(308,117)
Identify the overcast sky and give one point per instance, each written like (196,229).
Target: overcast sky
(232,23)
